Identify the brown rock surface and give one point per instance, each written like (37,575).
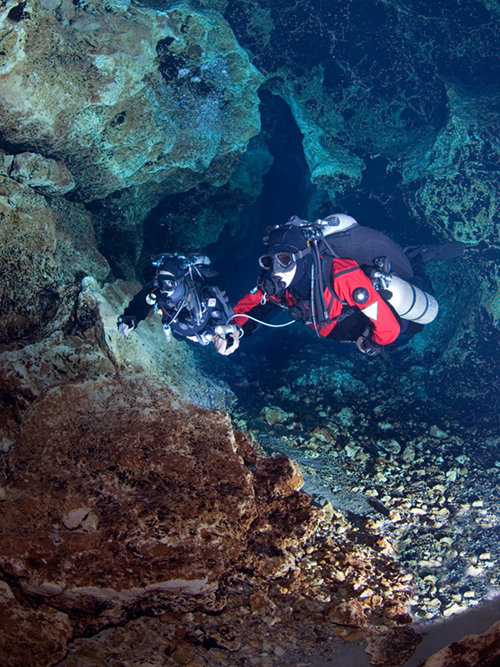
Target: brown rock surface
(471,651)
(393,647)
(121,501)
(119,496)
(30,636)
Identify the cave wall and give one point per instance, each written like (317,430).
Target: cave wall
(136,103)
(152,106)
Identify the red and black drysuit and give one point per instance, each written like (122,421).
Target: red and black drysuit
(345,286)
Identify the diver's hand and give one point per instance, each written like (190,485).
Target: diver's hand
(227,344)
(126,324)
(367,346)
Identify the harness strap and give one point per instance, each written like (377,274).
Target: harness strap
(327,272)
(330,279)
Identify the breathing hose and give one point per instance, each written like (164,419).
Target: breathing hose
(266,324)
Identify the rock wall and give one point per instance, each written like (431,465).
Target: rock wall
(87,344)
(120,502)
(125,96)
(101,479)
(137,103)
(48,245)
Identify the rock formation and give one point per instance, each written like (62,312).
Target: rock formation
(119,501)
(472,650)
(137,103)
(48,245)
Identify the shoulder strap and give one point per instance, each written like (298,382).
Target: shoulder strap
(329,278)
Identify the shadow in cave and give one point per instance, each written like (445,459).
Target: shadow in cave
(286,191)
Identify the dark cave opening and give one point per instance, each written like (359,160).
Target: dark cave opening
(286,191)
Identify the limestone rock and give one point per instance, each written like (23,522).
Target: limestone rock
(122,500)
(43,174)
(452,186)
(90,347)
(127,451)
(126,96)
(348,613)
(44,632)
(146,350)
(47,246)
(393,647)
(274,415)
(345,102)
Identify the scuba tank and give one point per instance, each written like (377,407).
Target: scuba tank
(339,222)
(409,302)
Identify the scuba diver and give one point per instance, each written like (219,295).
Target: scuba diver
(347,282)
(191,304)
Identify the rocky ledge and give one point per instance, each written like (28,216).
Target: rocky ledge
(125,510)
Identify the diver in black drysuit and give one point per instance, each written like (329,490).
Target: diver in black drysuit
(184,291)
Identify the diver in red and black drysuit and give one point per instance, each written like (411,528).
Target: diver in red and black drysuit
(303,274)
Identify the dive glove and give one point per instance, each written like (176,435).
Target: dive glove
(367,346)
(126,324)
(227,344)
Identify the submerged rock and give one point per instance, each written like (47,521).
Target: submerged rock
(40,173)
(483,649)
(126,96)
(126,451)
(47,630)
(47,246)
(121,501)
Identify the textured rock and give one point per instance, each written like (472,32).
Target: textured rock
(43,174)
(146,351)
(29,635)
(126,96)
(89,347)
(352,77)
(189,221)
(47,246)
(121,501)
(470,651)
(394,647)
(102,515)
(454,186)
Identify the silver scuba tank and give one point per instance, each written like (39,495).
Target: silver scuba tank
(409,302)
